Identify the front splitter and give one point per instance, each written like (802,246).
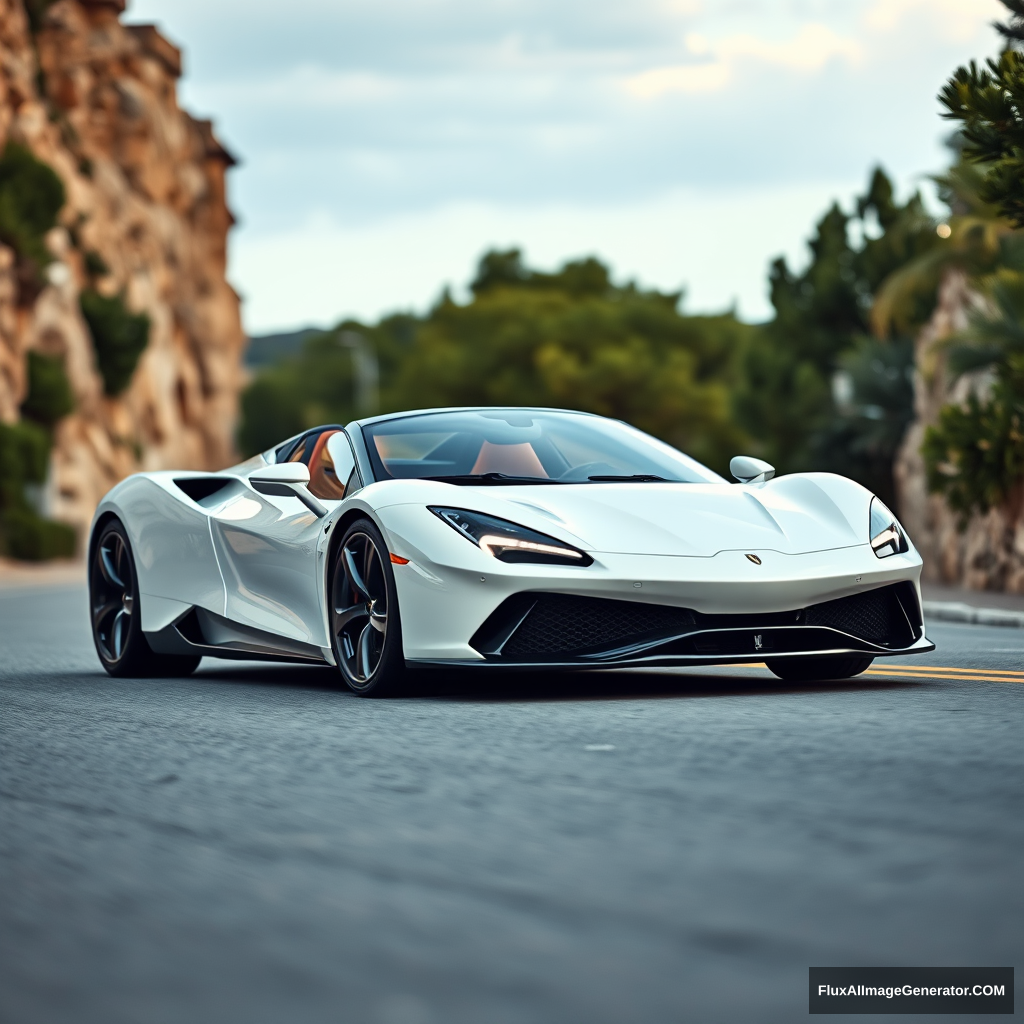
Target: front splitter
(921,646)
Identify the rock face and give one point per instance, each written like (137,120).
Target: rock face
(145,184)
(989,553)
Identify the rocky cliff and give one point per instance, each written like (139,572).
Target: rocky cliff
(129,294)
(988,554)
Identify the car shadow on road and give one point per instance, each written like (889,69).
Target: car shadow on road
(545,685)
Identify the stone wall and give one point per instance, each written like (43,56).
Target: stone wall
(96,100)
(989,553)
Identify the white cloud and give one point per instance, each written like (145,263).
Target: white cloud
(957,20)
(384,145)
(808,51)
(322,271)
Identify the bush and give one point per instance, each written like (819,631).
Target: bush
(49,394)
(118,336)
(975,455)
(31,196)
(24,457)
(31,538)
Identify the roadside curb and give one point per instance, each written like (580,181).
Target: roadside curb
(957,611)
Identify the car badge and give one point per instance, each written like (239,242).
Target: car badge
(758,641)
(754,559)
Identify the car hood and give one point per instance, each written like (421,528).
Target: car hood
(793,514)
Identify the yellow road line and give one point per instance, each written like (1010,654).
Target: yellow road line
(977,675)
(916,669)
(948,675)
(939,669)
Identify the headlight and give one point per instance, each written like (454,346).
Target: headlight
(887,536)
(509,542)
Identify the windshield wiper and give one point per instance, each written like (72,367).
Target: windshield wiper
(635,478)
(492,479)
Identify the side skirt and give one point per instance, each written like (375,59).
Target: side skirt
(201,632)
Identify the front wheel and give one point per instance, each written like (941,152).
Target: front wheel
(806,670)
(366,632)
(114,607)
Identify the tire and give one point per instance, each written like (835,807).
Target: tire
(805,670)
(114,612)
(366,631)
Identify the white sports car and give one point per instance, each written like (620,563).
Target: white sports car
(498,537)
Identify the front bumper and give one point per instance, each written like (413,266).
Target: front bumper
(564,630)
(447,595)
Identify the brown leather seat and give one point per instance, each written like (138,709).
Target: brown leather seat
(323,481)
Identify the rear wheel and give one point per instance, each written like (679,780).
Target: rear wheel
(805,670)
(114,612)
(366,632)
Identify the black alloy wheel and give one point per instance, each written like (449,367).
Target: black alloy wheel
(809,670)
(115,614)
(365,630)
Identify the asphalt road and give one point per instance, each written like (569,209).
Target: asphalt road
(256,845)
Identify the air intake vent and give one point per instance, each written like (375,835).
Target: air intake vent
(563,627)
(199,488)
(872,616)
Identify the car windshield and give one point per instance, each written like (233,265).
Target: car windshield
(524,446)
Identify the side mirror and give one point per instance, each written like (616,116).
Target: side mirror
(288,480)
(285,473)
(749,470)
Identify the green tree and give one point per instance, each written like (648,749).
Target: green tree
(302,391)
(795,369)
(974,455)
(572,338)
(988,102)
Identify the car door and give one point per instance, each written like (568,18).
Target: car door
(267,547)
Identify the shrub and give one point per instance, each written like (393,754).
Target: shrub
(975,455)
(31,196)
(49,394)
(31,538)
(24,456)
(118,336)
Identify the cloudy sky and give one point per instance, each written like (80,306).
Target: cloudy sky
(385,145)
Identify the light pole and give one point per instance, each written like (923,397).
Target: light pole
(367,372)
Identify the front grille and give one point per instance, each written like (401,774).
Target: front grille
(565,627)
(562,624)
(870,616)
